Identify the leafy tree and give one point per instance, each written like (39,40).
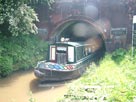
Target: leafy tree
(49,2)
(16,17)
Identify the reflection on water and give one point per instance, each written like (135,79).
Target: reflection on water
(16,88)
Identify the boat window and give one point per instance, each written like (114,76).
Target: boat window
(86,51)
(70,54)
(89,50)
(80,52)
(52,52)
(61,49)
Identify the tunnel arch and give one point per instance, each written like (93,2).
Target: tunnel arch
(65,28)
(62,25)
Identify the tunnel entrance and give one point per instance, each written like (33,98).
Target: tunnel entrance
(80,29)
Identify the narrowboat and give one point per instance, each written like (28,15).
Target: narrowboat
(66,60)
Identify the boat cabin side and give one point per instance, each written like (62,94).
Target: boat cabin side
(68,52)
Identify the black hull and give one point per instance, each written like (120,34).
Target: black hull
(52,75)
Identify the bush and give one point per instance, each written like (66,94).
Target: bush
(21,52)
(118,55)
(5,66)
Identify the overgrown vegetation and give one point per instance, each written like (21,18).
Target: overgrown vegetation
(21,52)
(113,80)
(19,48)
(17,18)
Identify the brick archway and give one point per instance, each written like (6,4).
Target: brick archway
(62,25)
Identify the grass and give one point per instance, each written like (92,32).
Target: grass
(111,81)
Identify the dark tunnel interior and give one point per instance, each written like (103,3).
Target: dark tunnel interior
(68,33)
(80,31)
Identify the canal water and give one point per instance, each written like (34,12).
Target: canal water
(19,86)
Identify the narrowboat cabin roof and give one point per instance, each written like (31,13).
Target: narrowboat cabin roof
(76,44)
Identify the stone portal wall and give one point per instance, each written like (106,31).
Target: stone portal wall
(109,14)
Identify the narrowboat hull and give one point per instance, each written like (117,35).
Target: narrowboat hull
(55,75)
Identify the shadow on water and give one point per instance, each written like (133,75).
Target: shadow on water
(37,86)
(34,86)
(13,78)
(6,82)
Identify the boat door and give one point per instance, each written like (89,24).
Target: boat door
(61,54)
